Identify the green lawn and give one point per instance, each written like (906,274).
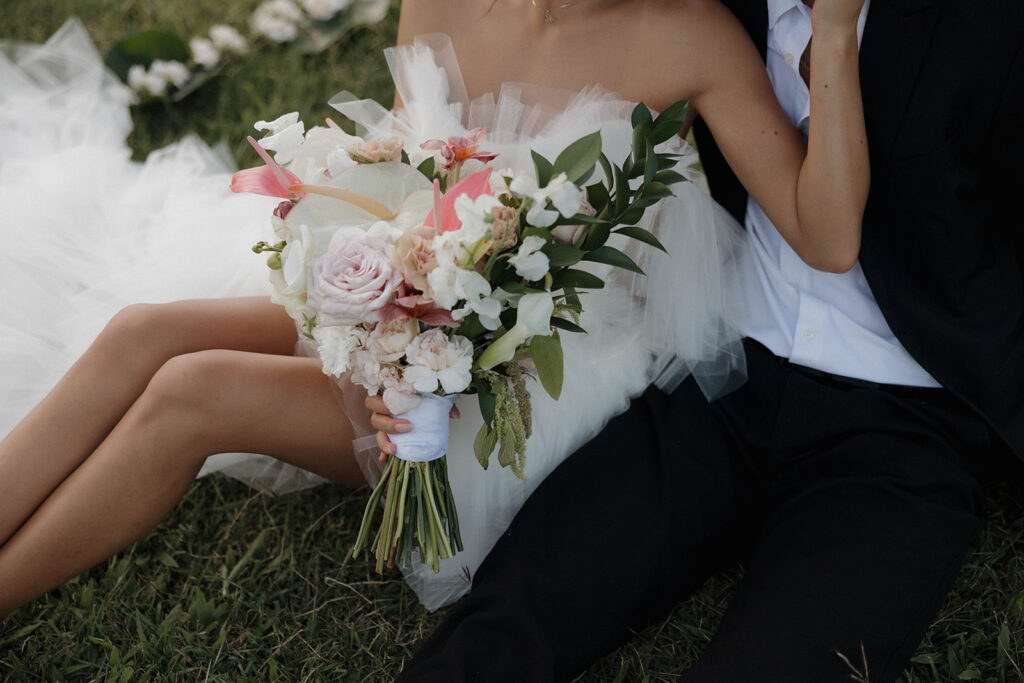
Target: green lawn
(235,585)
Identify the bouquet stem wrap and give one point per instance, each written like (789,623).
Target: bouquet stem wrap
(419,510)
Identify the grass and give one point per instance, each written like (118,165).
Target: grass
(239,586)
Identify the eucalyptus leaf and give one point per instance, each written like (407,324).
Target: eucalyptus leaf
(577,161)
(613,257)
(596,236)
(651,167)
(669,177)
(547,356)
(641,136)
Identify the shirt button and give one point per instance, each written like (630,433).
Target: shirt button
(808,334)
(789,58)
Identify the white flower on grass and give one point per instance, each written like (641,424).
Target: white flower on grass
(287,134)
(335,344)
(171,71)
(204,53)
(322,10)
(530,262)
(533,317)
(137,77)
(228,38)
(278,20)
(434,359)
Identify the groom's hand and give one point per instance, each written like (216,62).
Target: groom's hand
(385,424)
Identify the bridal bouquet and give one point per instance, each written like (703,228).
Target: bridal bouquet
(427,273)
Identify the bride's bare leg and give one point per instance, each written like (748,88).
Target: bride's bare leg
(196,405)
(72,420)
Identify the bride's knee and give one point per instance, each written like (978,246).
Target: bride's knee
(136,326)
(185,393)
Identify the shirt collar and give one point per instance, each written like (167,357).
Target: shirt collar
(777,8)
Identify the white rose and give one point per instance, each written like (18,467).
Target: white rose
(435,359)
(335,344)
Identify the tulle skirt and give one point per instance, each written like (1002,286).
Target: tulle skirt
(88,231)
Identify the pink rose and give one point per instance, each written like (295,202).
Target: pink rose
(353,279)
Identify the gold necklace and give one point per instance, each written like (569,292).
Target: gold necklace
(548,18)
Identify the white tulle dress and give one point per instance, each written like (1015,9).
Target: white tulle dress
(88,231)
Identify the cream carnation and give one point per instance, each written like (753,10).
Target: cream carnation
(377,150)
(435,359)
(335,345)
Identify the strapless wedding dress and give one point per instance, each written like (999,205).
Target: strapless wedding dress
(88,231)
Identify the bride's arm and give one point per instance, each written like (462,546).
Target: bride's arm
(814,193)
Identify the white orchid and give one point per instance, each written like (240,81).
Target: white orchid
(286,136)
(530,262)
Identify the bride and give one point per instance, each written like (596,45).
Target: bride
(116,442)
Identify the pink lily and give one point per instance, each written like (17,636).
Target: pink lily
(456,150)
(418,307)
(443,216)
(271,179)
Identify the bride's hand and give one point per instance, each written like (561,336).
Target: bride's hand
(835,14)
(385,424)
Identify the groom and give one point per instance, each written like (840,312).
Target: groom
(847,472)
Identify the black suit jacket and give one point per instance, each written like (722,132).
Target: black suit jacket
(943,233)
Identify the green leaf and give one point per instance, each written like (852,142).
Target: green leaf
(669,122)
(596,236)
(970,675)
(471,327)
(609,174)
(567,325)
(484,443)
(570,277)
(634,214)
(142,48)
(622,192)
(519,288)
(641,114)
(485,397)
(642,235)
(426,167)
(641,137)
(669,177)
(651,167)
(561,255)
(544,169)
(198,79)
(597,195)
(547,356)
(577,160)
(613,257)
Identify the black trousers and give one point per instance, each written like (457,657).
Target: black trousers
(851,506)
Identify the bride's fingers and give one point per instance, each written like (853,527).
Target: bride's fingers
(375,404)
(391,425)
(386,447)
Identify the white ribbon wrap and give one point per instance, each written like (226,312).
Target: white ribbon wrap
(428,439)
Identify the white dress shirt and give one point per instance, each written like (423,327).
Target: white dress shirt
(821,320)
